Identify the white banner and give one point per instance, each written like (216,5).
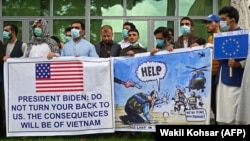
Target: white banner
(63,96)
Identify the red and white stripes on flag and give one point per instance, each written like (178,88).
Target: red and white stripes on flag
(59,77)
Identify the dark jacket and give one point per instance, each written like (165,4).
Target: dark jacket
(115,49)
(136,49)
(192,39)
(17,50)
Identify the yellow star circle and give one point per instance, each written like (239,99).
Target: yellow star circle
(233,43)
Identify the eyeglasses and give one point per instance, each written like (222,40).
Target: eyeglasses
(185,24)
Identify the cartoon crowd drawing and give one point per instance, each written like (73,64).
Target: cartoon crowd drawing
(144,99)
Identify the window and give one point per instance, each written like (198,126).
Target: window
(69,7)
(150,7)
(26,7)
(106,8)
(222,3)
(195,7)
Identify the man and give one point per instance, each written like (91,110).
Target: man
(213,26)
(135,46)
(126,27)
(163,40)
(41,44)
(107,47)
(68,36)
(14,47)
(188,39)
(139,104)
(78,46)
(228,87)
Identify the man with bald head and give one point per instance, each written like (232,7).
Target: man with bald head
(107,47)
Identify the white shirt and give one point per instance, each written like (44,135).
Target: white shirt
(10,47)
(185,42)
(41,50)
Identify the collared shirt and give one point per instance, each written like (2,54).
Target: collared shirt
(79,48)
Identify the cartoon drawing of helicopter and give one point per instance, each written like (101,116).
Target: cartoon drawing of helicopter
(198,79)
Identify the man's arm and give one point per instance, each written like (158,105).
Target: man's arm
(92,52)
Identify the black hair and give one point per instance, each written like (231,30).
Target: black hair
(67,29)
(171,30)
(231,12)
(162,30)
(55,38)
(129,24)
(134,30)
(189,19)
(80,22)
(13,28)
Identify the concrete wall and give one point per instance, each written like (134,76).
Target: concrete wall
(243,7)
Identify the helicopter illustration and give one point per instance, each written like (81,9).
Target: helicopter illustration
(198,79)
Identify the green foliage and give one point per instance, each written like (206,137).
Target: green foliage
(26,7)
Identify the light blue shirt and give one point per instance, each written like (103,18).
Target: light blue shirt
(79,48)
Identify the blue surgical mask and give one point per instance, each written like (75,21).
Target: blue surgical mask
(160,42)
(6,35)
(75,33)
(38,32)
(67,39)
(224,26)
(124,33)
(185,30)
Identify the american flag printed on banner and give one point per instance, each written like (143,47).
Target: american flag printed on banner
(59,77)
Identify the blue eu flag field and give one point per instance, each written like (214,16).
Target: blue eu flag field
(231,46)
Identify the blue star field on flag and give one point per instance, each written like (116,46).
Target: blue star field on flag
(232,46)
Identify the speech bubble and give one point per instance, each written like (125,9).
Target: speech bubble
(152,71)
(196,115)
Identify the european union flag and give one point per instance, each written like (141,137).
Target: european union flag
(232,44)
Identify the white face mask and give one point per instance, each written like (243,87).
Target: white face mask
(224,26)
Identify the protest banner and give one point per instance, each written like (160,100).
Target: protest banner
(62,96)
(164,89)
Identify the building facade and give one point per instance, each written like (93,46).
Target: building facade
(147,15)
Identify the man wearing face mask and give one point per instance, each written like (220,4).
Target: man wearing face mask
(78,46)
(134,47)
(13,47)
(41,44)
(68,36)
(126,27)
(212,23)
(188,39)
(107,47)
(163,40)
(228,87)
